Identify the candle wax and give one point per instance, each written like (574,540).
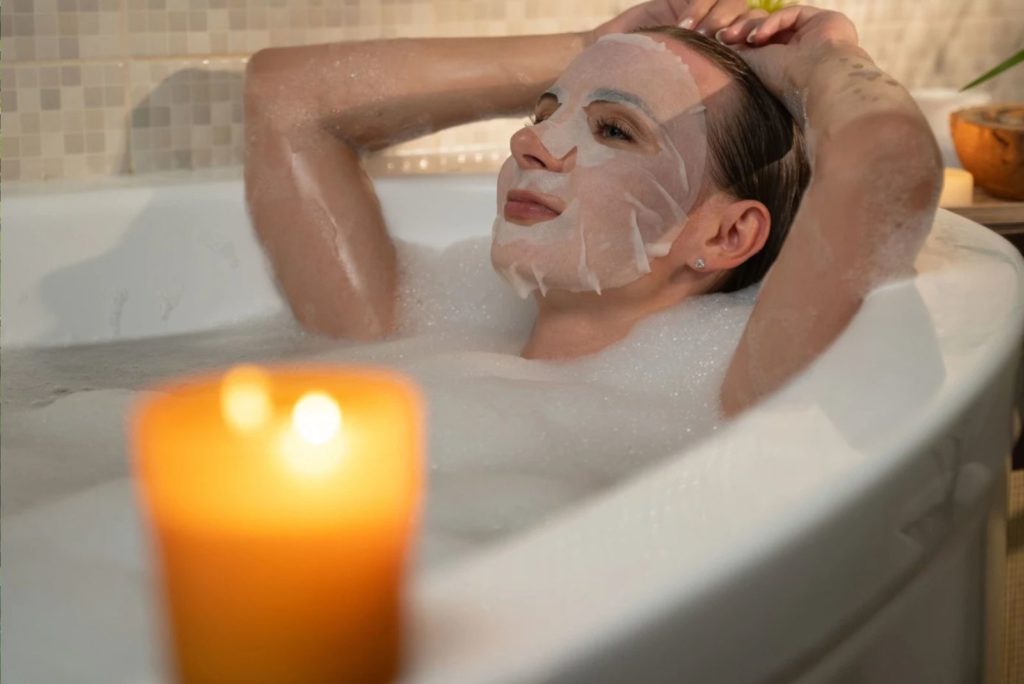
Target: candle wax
(957,188)
(283,504)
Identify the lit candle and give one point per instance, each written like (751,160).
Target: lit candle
(957,188)
(283,504)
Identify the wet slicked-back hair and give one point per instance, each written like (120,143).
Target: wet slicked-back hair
(756,151)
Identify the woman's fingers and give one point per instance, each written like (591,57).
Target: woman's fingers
(708,16)
(695,13)
(778,22)
(738,30)
(722,14)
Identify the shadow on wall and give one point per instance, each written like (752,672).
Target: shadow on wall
(158,263)
(192,120)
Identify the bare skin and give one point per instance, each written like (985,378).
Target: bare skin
(875,186)
(308,121)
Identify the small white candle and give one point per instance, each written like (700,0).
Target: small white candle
(957,188)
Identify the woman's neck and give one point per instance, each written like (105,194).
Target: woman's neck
(568,332)
(574,324)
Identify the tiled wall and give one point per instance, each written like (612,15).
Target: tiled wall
(96,87)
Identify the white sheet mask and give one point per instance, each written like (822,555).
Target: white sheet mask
(624,203)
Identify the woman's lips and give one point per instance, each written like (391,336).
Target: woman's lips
(526,208)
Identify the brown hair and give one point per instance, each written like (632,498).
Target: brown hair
(757,151)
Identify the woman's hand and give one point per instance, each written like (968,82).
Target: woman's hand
(706,16)
(784,46)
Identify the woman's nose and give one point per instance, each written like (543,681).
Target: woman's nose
(530,153)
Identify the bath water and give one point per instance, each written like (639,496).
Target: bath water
(510,441)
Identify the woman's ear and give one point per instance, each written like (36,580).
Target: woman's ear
(740,233)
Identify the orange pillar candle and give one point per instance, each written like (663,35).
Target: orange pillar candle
(283,504)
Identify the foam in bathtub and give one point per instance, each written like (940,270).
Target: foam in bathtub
(514,440)
(511,441)
(627,195)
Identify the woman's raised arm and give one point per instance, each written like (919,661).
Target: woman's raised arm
(876,179)
(312,111)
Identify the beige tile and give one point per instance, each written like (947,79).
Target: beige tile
(28,169)
(30,147)
(75,167)
(95,142)
(29,122)
(94,120)
(187,114)
(10,126)
(72,120)
(52,117)
(10,168)
(47,30)
(195,27)
(74,144)
(52,143)
(53,168)
(11,146)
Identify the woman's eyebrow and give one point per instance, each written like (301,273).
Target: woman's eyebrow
(612,95)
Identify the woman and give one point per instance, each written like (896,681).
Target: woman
(635,190)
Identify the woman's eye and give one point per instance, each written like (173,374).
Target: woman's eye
(611,131)
(537,118)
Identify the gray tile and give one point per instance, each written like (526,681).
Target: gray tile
(49,98)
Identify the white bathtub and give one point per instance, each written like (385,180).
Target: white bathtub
(867,562)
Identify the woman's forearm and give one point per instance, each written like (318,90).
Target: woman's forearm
(378,93)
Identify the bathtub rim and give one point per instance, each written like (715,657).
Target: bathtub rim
(889,457)
(881,465)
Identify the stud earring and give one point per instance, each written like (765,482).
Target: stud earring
(699,264)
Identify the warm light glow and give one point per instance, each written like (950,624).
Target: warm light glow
(316,418)
(957,188)
(245,398)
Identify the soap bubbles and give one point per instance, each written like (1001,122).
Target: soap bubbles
(511,441)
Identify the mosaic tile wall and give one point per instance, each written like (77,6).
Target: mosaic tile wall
(100,87)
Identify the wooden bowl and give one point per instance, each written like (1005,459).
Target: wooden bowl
(990,143)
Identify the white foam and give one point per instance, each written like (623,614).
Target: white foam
(511,441)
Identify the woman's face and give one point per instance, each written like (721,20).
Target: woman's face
(602,183)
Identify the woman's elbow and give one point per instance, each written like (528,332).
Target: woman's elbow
(888,162)
(912,172)
(259,74)
(912,148)
(904,151)
(272,94)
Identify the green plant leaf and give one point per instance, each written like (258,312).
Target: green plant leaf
(1013,61)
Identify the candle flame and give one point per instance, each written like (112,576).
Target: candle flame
(316,418)
(245,398)
(313,444)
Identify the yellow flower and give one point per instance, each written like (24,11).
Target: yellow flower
(769,5)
